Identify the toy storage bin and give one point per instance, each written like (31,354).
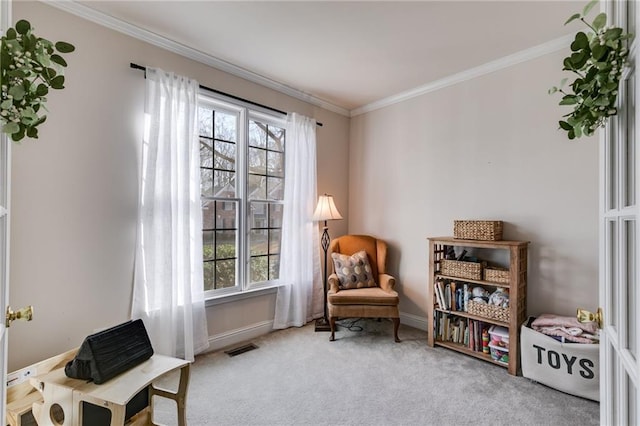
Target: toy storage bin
(569,367)
(499,336)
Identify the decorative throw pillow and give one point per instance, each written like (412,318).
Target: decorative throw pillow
(353,271)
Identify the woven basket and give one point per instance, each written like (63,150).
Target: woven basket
(488,311)
(487,230)
(496,275)
(456,268)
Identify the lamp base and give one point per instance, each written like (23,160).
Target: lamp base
(322,325)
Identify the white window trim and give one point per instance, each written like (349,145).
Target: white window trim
(243,289)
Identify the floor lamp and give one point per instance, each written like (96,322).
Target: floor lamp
(325,210)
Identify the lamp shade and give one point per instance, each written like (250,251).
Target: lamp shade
(326,209)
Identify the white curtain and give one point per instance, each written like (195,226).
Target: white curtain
(299,298)
(168,285)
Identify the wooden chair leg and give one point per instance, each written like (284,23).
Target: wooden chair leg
(332,323)
(396,325)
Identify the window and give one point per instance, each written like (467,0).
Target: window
(242,188)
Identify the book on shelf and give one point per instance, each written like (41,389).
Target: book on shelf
(439,296)
(452,295)
(460,330)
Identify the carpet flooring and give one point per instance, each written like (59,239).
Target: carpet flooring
(298,377)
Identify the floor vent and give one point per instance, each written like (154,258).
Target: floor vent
(241,349)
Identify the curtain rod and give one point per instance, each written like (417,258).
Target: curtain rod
(237,98)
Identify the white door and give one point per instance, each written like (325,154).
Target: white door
(5,173)
(619,249)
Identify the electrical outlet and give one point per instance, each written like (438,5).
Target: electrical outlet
(20,376)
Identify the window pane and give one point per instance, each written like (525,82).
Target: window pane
(209,275)
(276,138)
(276,188)
(274,267)
(275,164)
(258,215)
(630,279)
(612,240)
(257,187)
(207,245)
(274,241)
(206,153)
(275,215)
(206,182)
(611,184)
(629,143)
(632,403)
(257,134)
(631,16)
(205,122)
(258,241)
(257,161)
(225,155)
(225,273)
(225,244)
(613,378)
(226,214)
(226,126)
(259,269)
(208,214)
(225,184)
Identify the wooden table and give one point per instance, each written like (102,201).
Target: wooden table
(64,397)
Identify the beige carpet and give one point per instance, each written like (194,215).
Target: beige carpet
(298,377)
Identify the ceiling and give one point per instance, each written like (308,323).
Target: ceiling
(351,54)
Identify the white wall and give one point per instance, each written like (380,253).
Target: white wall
(75,189)
(487,148)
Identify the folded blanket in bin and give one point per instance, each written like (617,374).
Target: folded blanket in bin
(568,328)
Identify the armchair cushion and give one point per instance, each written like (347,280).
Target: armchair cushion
(372,296)
(353,271)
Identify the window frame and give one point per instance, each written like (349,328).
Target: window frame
(246,112)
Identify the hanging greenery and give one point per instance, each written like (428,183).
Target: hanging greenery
(29,67)
(598,58)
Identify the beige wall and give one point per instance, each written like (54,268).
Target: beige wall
(487,148)
(74,191)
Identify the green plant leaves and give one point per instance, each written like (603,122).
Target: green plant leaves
(589,6)
(64,47)
(42,90)
(58,60)
(16,92)
(57,82)
(597,59)
(600,21)
(569,100)
(29,67)
(581,42)
(573,18)
(10,127)
(22,26)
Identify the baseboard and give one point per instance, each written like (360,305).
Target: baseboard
(239,335)
(414,321)
(244,334)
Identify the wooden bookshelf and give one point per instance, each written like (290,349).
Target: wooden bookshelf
(517,287)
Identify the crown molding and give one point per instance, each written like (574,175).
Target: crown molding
(121,26)
(487,68)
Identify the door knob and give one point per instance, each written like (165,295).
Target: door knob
(586,316)
(25,314)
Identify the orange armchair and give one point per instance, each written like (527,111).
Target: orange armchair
(379,300)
